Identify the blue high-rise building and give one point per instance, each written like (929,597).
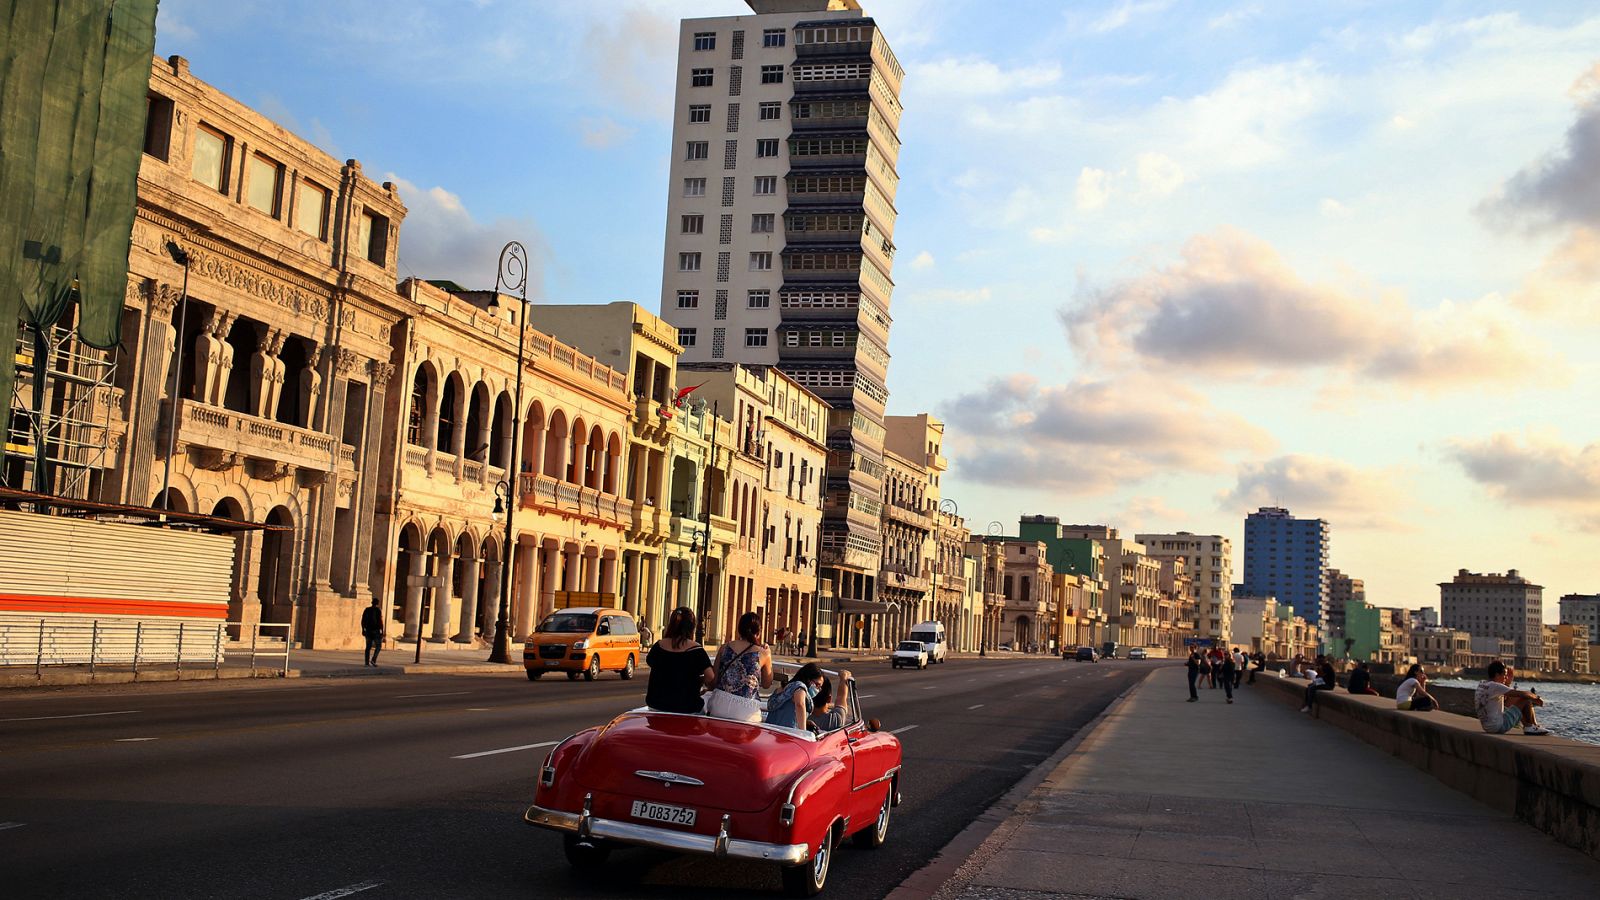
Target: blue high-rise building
(1287,558)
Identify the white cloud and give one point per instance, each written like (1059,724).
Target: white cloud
(441,239)
(950,296)
(1333,209)
(1534,470)
(1125,12)
(601,132)
(1158,174)
(1234,17)
(1094,188)
(922,261)
(975,77)
(1321,488)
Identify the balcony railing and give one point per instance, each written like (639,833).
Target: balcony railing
(544,492)
(229,432)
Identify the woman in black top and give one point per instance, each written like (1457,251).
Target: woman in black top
(679,667)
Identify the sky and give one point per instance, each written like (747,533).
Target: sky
(1159,263)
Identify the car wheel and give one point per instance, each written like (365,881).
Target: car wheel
(627,670)
(533,674)
(808,879)
(584,854)
(593,671)
(874,837)
(573,676)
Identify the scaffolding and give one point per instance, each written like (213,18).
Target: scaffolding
(68,415)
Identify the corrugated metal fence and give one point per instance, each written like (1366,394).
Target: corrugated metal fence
(39,642)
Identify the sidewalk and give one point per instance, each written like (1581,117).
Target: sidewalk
(1167,798)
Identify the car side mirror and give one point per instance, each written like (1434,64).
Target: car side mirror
(873,725)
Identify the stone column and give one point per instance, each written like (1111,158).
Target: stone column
(552,571)
(326,506)
(608,575)
(571,569)
(529,602)
(469,598)
(441,597)
(414,575)
(145,434)
(631,570)
(265,381)
(311,392)
(213,358)
(367,463)
(591,570)
(489,616)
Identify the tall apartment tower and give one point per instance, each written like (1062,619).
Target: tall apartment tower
(1210,562)
(1287,558)
(1342,589)
(780,216)
(1582,609)
(1507,606)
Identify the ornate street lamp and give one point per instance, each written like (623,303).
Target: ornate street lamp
(946,505)
(511,279)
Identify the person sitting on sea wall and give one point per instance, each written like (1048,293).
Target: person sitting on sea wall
(1322,679)
(1502,707)
(1361,680)
(1413,692)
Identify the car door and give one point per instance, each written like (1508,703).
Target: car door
(604,643)
(872,755)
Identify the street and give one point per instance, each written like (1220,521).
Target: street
(410,787)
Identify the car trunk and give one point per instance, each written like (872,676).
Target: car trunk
(743,767)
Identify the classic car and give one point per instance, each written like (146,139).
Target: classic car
(697,784)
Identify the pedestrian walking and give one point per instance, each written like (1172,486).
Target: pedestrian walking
(1228,674)
(1193,665)
(1239,665)
(372,630)
(1216,666)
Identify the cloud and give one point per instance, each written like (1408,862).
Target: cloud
(1092,436)
(1094,188)
(1158,175)
(1567,282)
(636,71)
(602,132)
(1333,209)
(922,261)
(1142,512)
(1234,17)
(1534,470)
(952,296)
(1562,188)
(441,239)
(1124,12)
(976,77)
(1317,487)
(1232,306)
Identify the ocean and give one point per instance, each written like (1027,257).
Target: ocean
(1570,710)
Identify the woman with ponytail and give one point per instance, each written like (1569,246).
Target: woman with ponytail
(679,667)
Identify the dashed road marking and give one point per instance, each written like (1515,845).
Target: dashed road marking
(336,893)
(902,729)
(124,712)
(445,694)
(505,750)
(930,687)
(479,708)
(976,706)
(133,740)
(6,826)
(865,696)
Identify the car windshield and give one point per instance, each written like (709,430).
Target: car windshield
(910,645)
(568,623)
(927,637)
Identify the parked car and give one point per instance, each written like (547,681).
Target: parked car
(1138,653)
(1085,654)
(583,640)
(909,653)
(739,790)
(932,637)
(1108,650)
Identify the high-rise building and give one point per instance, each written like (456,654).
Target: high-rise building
(1210,558)
(780,217)
(1287,558)
(1505,606)
(1582,609)
(1342,590)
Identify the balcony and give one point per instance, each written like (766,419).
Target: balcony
(896,577)
(907,516)
(224,438)
(541,492)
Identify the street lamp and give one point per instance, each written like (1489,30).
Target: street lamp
(181,257)
(511,278)
(698,542)
(946,505)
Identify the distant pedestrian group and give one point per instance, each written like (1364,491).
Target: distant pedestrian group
(1217,667)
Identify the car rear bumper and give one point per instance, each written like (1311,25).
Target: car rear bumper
(720,845)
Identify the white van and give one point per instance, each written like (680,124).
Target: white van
(931,635)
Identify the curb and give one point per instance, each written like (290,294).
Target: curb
(75,679)
(958,862)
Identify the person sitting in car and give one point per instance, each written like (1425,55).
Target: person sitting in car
(831,714)
(791,706)
(679,667)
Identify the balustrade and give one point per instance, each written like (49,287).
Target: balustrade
(228,431)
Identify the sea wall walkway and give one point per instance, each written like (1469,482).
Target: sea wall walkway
(1166,798)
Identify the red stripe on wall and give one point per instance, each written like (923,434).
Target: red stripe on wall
(101,606)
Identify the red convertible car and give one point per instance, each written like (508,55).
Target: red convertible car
(695,784)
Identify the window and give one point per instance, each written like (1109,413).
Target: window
(211,151)
(694,224)
(700,78)
(705,40)
(373,237)
(699,113)
(311,211)
(766,147)
(772,74)
(755,337)
(265,185)
(762,223)
(688,262)
(694,187)
(686,336)
(698,150)
(157,126)
(773,37)
(771,111)
(766,184)
(761,299)
(761,261)
(688,299)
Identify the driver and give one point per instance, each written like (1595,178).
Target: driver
(831,714)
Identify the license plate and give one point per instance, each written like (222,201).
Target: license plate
(552,662)
(661,812)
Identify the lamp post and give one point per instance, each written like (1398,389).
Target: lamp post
(697,547)
(511,278)
(816,592)
(946,505)
(181,257)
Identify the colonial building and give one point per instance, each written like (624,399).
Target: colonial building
(1502,606)
(1210,569)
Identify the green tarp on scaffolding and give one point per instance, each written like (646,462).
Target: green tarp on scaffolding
(74,76)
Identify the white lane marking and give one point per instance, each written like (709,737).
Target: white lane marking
(865,696)
(930,687)
(5,826)
(336,893)
(134,740)
(902,728)
(976,706)
(479,708)
(506,750)
(445,694)
(125,712)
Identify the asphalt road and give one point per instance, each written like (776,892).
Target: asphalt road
(414,787)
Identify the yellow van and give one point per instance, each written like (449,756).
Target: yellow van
(583,640)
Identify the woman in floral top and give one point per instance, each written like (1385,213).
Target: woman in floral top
(744,666)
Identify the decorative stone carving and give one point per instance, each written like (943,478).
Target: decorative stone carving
(270,469)
(380,372)
(346,361)
(164,299)
(217,268)
(213,459)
